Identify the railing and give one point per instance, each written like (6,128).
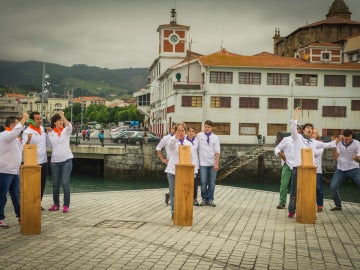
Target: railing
(187,86)
(238,158)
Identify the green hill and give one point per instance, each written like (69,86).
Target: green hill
(82,79)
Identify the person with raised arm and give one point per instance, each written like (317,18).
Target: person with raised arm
(10,161)
(61,159)
(301,141)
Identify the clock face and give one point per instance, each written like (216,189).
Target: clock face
(174,38)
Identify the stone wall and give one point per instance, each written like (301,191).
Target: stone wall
(142,160)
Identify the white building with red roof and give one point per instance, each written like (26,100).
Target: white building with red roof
(250,95)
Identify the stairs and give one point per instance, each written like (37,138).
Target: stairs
(236,164)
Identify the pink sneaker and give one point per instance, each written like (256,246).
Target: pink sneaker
(65,209)
(54,208)
(291,214)
(3,224)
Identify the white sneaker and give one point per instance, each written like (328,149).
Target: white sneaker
(3,224)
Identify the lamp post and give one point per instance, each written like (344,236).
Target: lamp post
(71,105)
(42,93)
(44,90)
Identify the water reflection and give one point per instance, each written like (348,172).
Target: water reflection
(348,190)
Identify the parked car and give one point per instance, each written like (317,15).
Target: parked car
(281,135)
(122,137)
(115,136)
(138,138)
(356,136)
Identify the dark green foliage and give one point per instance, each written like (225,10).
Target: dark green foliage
(83,79)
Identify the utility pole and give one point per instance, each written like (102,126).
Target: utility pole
(42,93)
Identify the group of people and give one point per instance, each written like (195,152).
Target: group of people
(205,155)
(346,151)
(29,130)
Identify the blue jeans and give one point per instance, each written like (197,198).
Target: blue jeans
(319,190)
(208,179)
(11,183)
(61,171)
(292,202)
(171,180)
(338,177)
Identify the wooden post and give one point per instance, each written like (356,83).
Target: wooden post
(184,188)
(30,192)
(306,189)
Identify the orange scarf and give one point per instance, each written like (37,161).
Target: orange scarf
(58,131)
(8,128)
(38,129)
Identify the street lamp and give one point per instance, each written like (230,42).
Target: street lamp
(44,90)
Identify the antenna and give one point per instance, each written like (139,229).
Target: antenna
(173,16)
(222,38)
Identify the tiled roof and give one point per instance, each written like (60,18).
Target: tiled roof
(331,20)
(16,95)
(87,98)
(224,58)
(323,45)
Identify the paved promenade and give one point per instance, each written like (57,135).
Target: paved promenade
(133,230)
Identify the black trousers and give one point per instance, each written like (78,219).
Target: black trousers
(44,172)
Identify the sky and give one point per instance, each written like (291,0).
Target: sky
(122,33)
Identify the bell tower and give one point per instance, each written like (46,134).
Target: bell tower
(173,38)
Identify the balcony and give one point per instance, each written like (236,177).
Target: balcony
(188,86)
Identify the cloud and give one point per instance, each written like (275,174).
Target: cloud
(122,33)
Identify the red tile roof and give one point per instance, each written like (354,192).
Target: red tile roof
(87,98)
(331,20)
(224,58)
(15,95)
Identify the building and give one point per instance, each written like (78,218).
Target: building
(89,100)
(250,95)
(10,105)
(336,27)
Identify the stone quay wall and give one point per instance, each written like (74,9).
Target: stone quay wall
(142,160)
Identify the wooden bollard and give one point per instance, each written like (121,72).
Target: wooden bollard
(30,192)
(184,188)
(306,189)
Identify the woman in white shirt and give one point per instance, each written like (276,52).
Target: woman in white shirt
(61,159)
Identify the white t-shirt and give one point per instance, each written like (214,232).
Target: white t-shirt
(287,146)
(11,150)
(346,153)
(39,140)
(208,148)
(60,145)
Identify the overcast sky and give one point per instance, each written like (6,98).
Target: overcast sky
(122,33)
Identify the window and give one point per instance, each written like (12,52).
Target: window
(249,78)
(248,102)
(325,56)
(221,128)
(355,105)
(334,111)
(306,104)
(220,102)
(191,101)
(57,106)
(277,103)
(248,128)
(335,80)
(306,79)
(195,125)
(356,81)
(144,100)
(221,77)
(278,79)
(274,129)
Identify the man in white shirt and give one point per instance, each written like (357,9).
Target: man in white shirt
(35,134)
(301,141)
(318,153)
(347,154)
(10,161)
(209,155)
(164,144)
(285,150)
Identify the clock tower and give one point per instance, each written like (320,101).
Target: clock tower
(173,38)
